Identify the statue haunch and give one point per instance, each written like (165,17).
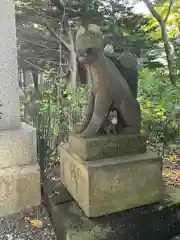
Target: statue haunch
(109,92)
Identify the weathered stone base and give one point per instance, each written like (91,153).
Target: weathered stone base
(19,189)
(152,222)
(89,149)
(111,185)
(18,147)
(19,174)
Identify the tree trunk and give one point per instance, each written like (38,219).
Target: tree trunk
(20,78)
(73,62)
(35,80)
(172,70)
(24,78)
(162,24)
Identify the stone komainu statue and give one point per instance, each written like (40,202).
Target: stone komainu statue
(109,89)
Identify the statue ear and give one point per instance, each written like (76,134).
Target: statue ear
(94,29)
(80,32)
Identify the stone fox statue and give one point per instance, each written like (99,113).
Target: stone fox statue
(110,91)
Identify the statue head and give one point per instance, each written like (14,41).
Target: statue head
(89,43)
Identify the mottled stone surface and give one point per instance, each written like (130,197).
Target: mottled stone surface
(18,147)
(151,222)
(106,146)
(113,184)
(54,192)
(9,90)
(19,189)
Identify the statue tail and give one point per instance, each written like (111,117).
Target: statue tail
(127,64)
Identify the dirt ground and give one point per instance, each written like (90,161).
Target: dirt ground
(171,170)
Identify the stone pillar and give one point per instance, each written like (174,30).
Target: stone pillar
(19,173)
(9,91)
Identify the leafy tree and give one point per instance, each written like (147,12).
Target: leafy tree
(45,38)
(161,14)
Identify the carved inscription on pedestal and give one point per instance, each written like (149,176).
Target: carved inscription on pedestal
(75,174)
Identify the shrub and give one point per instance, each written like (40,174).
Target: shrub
(160,106)
(52,115)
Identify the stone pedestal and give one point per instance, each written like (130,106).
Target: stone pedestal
(155,221)
(110,184)
(18,146)
(19,189)
(103,147)
(19,174)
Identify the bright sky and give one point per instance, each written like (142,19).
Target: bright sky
(140,7)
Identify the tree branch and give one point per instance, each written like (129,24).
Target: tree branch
(42,70)
(169,10)
(43,21)
(40,45)
(34,66)
(153,11)
(68,46)
(28,34)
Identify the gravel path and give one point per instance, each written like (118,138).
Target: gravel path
(18,226)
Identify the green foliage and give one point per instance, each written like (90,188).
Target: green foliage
(160,103)
(153,31)
(52,115)
(38,44)
(38,23)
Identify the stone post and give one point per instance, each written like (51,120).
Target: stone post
(19,173)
